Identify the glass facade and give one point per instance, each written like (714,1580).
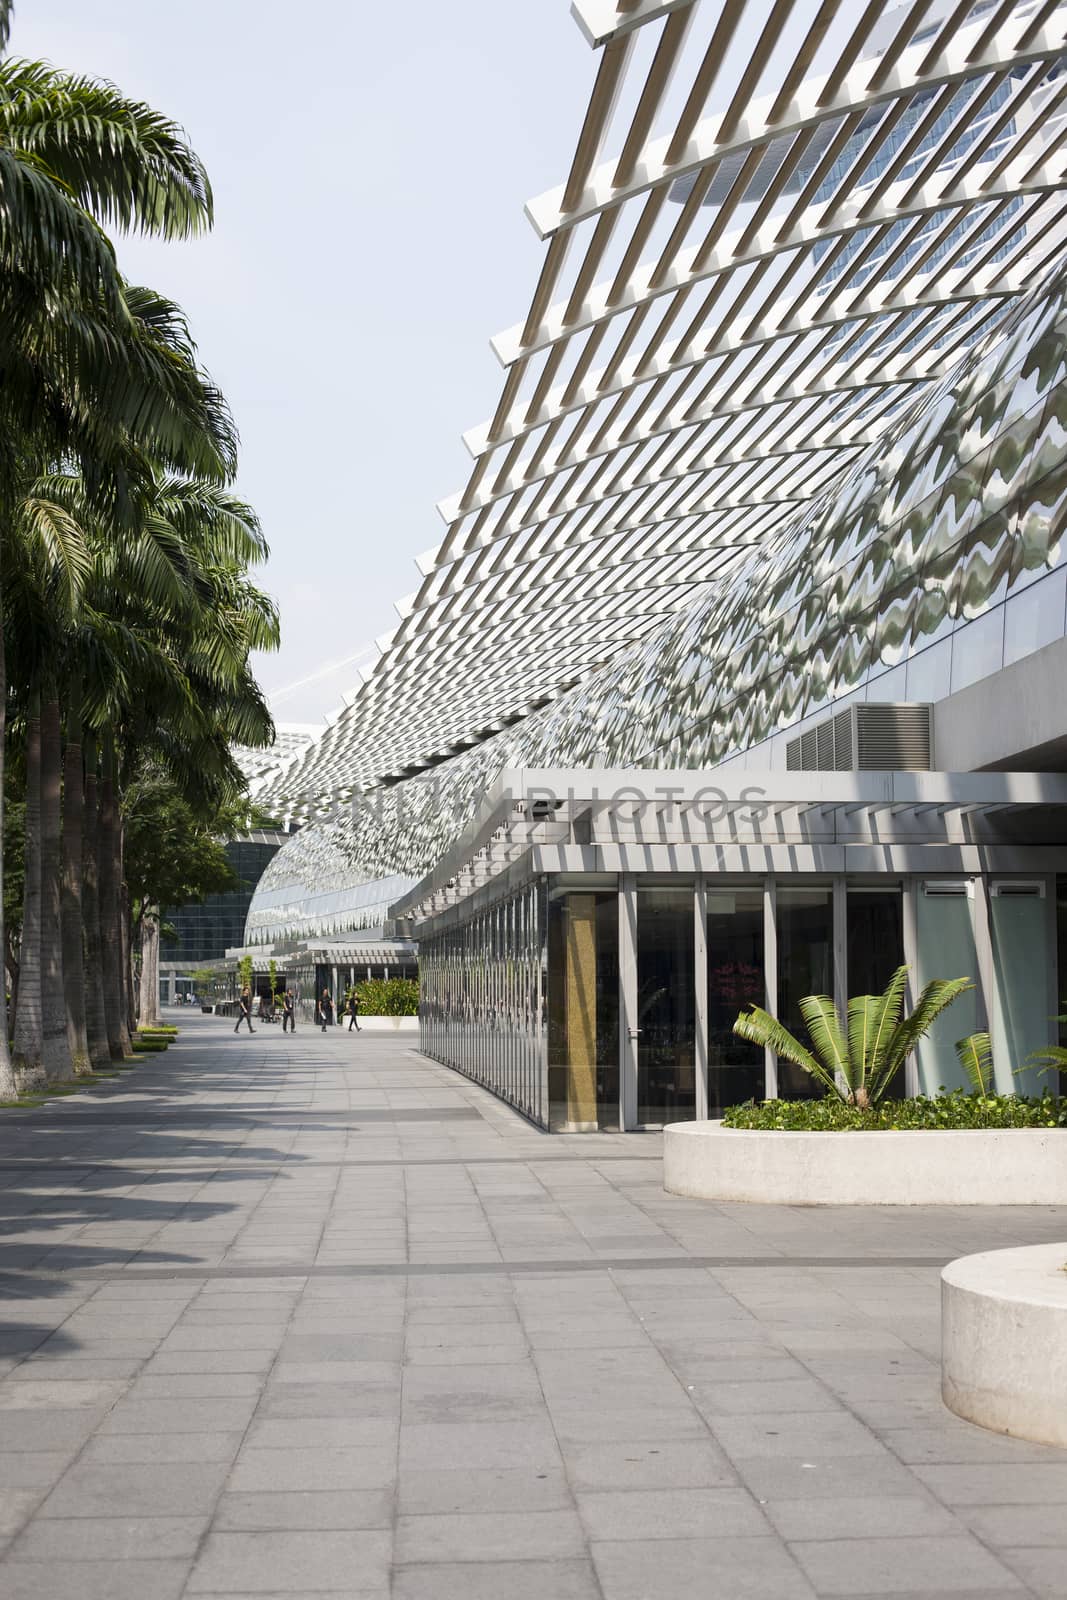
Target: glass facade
(204,932)
(528,996)
(481,1004)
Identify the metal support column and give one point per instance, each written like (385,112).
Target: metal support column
(840,953)
(982,922)
(628,1029)
(1053,975)
(910,940)
(770,978)
(700,955)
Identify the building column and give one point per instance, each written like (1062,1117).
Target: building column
(840,954)
(579,990)
(628,1029)
(910,936)
(770,979)
(983,945)
(700,956)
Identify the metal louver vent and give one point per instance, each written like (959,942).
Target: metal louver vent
(866,738)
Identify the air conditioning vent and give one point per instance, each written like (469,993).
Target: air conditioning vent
(866,738)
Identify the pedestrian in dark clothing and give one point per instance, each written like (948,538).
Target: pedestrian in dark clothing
(288,1012)
(353,1012)
(326,1009)
(244,1011)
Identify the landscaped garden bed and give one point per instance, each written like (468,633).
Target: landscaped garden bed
(854,1145)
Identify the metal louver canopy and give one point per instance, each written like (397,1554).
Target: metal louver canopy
(784,219)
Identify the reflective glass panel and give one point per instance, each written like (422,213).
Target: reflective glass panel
(1035,617)
(875,943)
(735,981)
(1021,956)
(666,1004)
(946,950)
(805,966)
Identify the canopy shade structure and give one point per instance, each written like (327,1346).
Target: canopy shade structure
(783,224)
(849,480)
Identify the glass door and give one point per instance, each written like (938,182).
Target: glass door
(666,1003)
(736,980)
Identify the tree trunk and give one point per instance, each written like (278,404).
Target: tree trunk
(28,1063)
(129,989)
(149,1007)
(95,1020)
(8,1087)
(73,877)
(55,1050)
(110,930)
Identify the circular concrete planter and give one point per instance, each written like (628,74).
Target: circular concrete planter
(924,1167)
(387,1024)
(1004,1341)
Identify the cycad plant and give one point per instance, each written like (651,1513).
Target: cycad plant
(855,1058)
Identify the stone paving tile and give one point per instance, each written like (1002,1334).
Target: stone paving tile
(559,1399)
(903,1564)
(323,1560)
(668,1569)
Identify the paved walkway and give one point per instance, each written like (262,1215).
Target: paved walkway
(317,1317)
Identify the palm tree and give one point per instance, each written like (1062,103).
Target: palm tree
(855,1058)
(91,367)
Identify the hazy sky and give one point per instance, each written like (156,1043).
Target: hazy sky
(370,160)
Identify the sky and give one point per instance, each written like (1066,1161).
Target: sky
(370,160)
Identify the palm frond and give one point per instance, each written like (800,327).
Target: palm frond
(124,162)
(827,1035)
(760,1027)
(938,994)
(45,233)
(1052,1059)
(975,1056)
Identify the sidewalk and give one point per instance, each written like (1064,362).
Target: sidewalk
(314,1316)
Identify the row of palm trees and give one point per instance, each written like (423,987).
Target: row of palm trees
(128,617)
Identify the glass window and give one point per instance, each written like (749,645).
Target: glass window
(666,1004)
(945,932)
(875,943)
(930,672)
(583,1009)
(805,966)
(977,649)
(735,981)
(1020,1024)
(1035,617)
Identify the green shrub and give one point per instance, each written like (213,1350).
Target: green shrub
(857,1055)
(388,997)
(959,1109)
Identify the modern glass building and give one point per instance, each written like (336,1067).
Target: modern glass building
(736,674)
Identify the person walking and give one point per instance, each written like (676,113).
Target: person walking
(244,1011)
(353,1011)
(326,1009)
(288,1012)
